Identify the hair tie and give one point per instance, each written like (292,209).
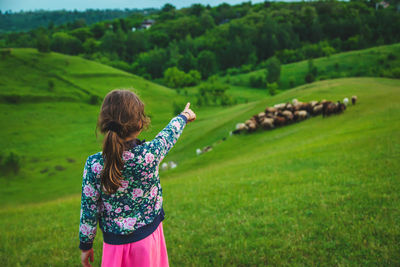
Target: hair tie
(114,126)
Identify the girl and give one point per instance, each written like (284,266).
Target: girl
(121,187)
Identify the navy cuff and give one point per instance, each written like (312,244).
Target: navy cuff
(85,246)
(183,117)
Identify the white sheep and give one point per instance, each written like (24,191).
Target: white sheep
(172,165)
(346,101)
(280,106)
(198,151)
(295,101)
(164,166)
(267,123)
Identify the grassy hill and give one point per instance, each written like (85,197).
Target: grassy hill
(378,61)
(320,192)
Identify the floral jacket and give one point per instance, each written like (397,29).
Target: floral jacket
(135,210)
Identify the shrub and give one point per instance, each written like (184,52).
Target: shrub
(11,163)
(5,53)
(94,100)
(246,68)
(291,82)
(272,88)
(273,70)
(50,84)
(256,81)
(391,56)
(43,43)
(396,73)
(309,78)
(232,71)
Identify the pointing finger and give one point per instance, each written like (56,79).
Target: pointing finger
(187,105)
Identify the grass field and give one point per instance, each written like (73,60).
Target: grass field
(372,62)
(321,192)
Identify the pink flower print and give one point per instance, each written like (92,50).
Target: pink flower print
(129,223)
(96,168)
(119,223)
(84,229)
(158,203)
(127,155)
(156,172)
(150,175)
(118,210)
(124,185)
(153,192)
(108,206)
(84,172)
(92,206)
(88,191)
(176,125)
(140,224)
(126,207)
(137,192)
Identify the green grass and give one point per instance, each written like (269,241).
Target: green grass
(320,192)
(372,62)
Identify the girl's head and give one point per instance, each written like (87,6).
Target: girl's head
(121,118)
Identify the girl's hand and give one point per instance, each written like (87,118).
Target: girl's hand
(188,113)
(85,255)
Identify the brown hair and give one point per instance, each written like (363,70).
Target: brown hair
(121,115)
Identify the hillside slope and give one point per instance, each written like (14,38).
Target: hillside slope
(372,62)
(321,191)
(52,128)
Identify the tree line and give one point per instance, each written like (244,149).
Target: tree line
(199,41)
(29,20)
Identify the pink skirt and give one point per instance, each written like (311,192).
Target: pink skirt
(150,251)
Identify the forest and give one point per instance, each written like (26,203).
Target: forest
(197,42)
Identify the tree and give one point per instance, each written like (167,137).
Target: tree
(65,43)
(43,43)
(206,63)
(174,78)
(273,70)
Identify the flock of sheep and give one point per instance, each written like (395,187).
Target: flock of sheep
(286,113)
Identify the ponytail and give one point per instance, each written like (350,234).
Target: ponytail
(111,176)
(121,115)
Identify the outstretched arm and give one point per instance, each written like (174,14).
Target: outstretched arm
(166,138)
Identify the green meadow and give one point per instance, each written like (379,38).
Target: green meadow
(324,191)
(378,61)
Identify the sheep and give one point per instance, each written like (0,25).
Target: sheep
(295,101)
(251,125)
(300,115)
(164,166)
(346,101)
(280,106)
(340,107)
(261,116)
(328,108)
(313,103)
(241,126)
(353,99)
(198,151)
(288,115)
(317,109)
(270,110)
(207,149)
(289,107)
(279,120)
(267,123)
(172,165)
